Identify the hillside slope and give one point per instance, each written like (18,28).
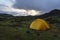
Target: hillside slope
(17,27)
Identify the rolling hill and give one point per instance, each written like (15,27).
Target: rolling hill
(17,27)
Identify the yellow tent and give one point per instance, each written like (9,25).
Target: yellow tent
(39,24)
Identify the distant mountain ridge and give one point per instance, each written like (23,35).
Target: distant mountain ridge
(54,12)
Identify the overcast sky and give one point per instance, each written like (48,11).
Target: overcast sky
(18,7)
(7,2)
(6,6)
(42,5)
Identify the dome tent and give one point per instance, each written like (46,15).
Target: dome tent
(39,24)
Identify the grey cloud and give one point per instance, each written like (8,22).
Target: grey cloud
(43,5)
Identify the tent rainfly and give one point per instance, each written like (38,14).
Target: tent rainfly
(39,24)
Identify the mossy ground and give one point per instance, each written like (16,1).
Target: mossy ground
(17,28)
